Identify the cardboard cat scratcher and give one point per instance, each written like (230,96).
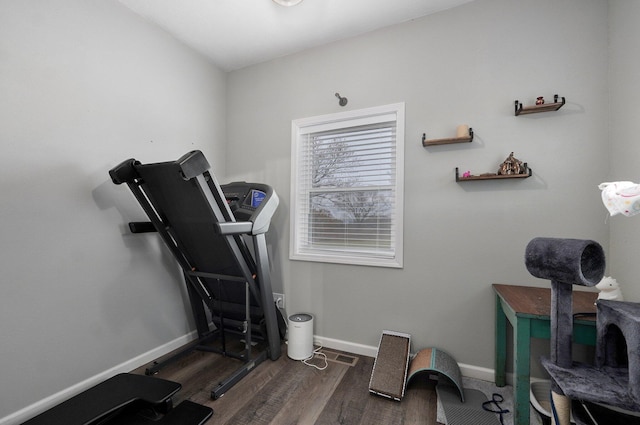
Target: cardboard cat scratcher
(393,369)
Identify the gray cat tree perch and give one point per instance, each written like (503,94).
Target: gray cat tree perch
(614,379)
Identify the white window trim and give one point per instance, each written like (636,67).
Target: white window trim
(349,119)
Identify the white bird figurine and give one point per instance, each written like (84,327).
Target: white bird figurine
(609,289)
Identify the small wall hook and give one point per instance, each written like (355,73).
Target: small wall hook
(342,100)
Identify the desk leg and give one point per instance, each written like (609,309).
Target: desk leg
(501,345)
(522,357)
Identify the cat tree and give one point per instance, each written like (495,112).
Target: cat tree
(614,379)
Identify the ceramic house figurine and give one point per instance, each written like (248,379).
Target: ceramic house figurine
(511,165)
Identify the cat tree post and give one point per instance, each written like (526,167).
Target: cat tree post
(565,262)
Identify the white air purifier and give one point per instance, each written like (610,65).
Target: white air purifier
(300,344)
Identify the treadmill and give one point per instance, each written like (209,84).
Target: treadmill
(217,235)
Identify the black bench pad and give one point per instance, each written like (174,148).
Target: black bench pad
(185,413)
(106,398)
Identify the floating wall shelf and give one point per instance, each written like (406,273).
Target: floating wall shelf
(492,176)
(447,141)
(534,109)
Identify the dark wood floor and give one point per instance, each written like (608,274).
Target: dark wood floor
(285,391)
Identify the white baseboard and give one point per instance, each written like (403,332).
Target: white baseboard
(476,372)
(349,347)
(36,408)
(468,371)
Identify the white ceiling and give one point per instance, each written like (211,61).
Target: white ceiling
(238,33)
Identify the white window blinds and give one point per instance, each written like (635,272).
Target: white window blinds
(347,188)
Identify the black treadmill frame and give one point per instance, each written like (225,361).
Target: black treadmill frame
(254,269)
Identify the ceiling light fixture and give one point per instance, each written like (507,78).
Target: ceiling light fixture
(287,2)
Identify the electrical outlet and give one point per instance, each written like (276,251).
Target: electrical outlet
(278,299)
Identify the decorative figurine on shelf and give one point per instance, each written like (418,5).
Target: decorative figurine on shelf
(511,166)
(540,101)
(466,174)
(609,289)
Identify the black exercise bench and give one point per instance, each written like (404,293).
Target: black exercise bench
(126,399)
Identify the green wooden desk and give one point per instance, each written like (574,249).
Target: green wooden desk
(528,309)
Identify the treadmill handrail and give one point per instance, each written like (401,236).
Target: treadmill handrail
(234,228)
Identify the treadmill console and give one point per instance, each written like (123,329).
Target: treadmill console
(253,202)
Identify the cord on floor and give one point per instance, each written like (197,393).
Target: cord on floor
(317,352)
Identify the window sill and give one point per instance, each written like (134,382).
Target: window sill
(349,259)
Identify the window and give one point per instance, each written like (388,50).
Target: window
(346,187)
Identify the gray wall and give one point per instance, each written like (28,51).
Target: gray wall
(625,110)
(463,65)
(85,85)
